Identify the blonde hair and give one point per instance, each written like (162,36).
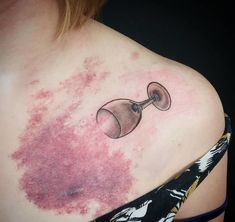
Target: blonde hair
(74,13)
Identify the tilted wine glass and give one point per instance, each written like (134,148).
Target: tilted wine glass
(119,117)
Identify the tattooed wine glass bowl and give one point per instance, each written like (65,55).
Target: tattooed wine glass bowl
(119,117)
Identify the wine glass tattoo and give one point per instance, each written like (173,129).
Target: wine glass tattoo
(119,117)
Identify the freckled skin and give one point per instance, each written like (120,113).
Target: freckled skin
(67,166)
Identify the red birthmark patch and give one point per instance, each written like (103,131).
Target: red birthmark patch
(134,55)
(34,82)
(67,166)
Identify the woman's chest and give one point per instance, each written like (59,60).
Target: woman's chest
(66,161)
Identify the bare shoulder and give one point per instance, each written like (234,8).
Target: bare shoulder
(192,125)
(194,100)
(210,125)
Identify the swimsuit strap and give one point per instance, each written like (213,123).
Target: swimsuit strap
(208,215)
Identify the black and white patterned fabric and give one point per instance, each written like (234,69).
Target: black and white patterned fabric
(163,203)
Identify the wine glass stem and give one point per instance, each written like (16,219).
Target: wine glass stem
(146,102)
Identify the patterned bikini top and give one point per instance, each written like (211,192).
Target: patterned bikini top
(163,203)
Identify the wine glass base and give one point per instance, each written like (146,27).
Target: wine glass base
(163,99)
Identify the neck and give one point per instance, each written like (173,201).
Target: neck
(27,29)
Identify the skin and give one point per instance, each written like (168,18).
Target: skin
(67,162)
(57,164)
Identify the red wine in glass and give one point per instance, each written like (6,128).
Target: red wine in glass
(119,117)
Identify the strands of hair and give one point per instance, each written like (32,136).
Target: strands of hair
(74,13)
